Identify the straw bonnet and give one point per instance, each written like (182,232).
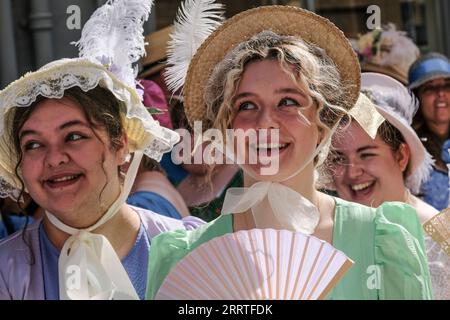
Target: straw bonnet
(427,68)
(393,101)
(283,20)
(156,49)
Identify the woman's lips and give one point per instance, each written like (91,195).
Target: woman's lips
(362,190)
(63,181)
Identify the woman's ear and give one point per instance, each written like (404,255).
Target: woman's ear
(403,155)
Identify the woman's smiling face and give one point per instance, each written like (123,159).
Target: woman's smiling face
(68,167)
(268,98)
(367,171)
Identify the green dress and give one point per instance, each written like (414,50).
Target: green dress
(211,210)
(385,243)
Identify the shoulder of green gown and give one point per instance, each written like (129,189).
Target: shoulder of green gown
(387,239)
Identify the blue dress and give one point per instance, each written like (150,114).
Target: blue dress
(15,223)
(135,264)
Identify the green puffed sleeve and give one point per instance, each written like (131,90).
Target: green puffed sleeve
(168,248)
(400,253)
(165,251)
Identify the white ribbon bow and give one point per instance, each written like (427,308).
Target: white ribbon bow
(276,205)
(290,209)
(88,266)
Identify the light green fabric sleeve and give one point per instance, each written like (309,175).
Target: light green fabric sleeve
(388,249)
(400,253)
(168,248)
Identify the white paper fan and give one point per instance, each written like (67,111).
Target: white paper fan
(258,264)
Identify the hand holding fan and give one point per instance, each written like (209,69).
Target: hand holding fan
(438,228)
(257,264)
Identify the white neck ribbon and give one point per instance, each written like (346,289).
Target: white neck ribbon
(88,266)
(275,205)
(291,210)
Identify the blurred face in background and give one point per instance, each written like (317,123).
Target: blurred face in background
(367,171)
(434,99)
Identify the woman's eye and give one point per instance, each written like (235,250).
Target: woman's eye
(32,145)
(367,155)
(288,102)
(339,160)
(74,137)
(247,106)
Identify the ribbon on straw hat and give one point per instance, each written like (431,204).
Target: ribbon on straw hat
(366,114)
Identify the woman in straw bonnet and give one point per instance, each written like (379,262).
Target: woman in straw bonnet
(379,158)
(287,69)
(66,130)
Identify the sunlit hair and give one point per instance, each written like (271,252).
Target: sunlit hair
(308,66)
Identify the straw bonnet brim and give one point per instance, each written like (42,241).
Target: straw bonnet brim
(283,20)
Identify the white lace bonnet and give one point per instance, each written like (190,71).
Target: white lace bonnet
(110,43)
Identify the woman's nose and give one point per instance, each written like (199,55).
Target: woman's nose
(267,119)
(56,156)
(354,170)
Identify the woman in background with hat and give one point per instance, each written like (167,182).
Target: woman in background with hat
(298,80)
(67,129)
(379,158)
(429,78)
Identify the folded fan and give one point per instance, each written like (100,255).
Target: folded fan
(258,264)
(438,228)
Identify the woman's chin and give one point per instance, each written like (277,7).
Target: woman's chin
(266,173)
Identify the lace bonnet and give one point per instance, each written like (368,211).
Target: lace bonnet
(110,43)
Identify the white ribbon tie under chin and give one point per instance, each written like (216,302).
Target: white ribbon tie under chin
(276,205)
(88,266)
(290,209)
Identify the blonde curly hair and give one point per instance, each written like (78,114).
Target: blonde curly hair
(308,66)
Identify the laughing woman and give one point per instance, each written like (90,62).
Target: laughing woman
(298,81)
(388,165)
(67,129)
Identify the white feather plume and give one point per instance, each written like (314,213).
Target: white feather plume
(403,50)
(196,20)
(114,36)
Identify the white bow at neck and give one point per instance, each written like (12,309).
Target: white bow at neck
(290,209)
(88,266)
